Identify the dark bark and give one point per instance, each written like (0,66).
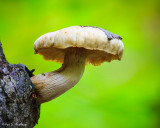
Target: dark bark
(18,107)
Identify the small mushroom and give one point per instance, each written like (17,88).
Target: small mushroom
(74,47)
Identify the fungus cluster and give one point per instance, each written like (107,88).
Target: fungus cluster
(75,47)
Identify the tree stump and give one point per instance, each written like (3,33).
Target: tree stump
(18,107)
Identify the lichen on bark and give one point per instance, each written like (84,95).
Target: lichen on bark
(17,106)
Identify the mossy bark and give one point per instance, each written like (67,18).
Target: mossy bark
(18,107)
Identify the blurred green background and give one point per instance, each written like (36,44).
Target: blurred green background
(120,94)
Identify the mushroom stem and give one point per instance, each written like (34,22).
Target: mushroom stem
(52,84)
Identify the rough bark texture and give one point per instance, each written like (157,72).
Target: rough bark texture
(18,108)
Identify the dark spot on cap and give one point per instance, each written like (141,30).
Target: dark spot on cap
(109,35)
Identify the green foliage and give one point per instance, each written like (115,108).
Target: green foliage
(120,94)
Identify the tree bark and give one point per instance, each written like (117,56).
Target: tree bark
(18,107)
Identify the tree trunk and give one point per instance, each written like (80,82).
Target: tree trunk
(18,107)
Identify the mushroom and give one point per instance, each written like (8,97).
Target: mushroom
(74,46)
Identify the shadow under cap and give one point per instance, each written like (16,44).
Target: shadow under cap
(95,57)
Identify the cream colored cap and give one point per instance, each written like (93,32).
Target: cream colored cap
(101,44)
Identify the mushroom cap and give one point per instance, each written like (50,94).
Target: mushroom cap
(101,45)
